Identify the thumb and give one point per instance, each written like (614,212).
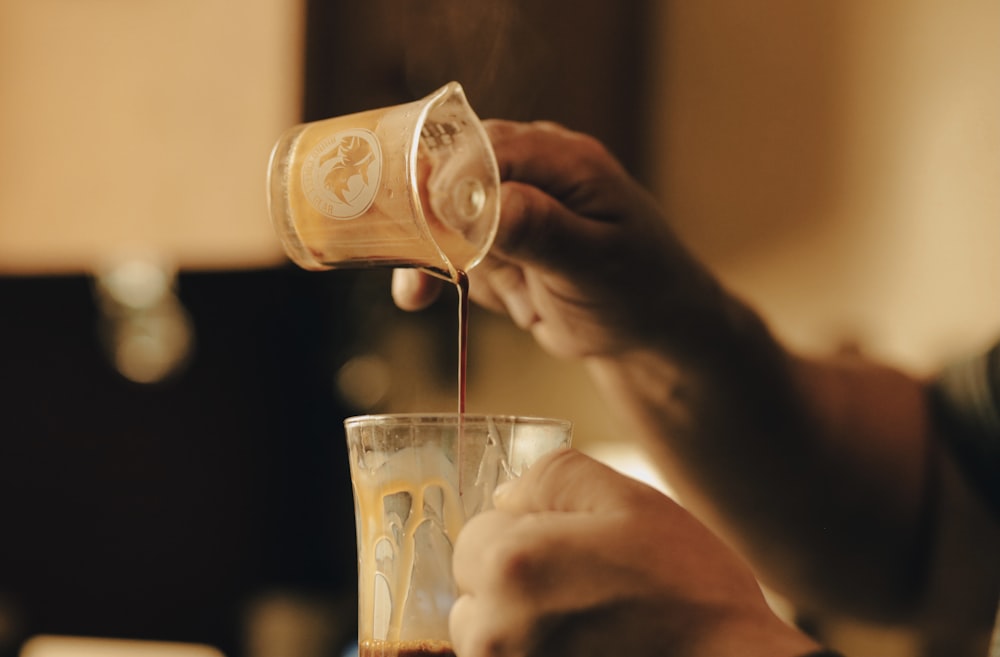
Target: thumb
(568,480)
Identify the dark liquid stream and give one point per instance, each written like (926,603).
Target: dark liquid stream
(462,283)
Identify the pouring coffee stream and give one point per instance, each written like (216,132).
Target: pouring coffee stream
(411,186)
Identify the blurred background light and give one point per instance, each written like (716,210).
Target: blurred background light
(142,126)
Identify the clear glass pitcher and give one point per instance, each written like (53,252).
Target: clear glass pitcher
(413,185)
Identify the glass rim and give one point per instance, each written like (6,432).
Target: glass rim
(453,418)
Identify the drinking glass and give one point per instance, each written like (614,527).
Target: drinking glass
(417,479)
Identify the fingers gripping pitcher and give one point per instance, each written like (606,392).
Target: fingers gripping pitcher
(414,185)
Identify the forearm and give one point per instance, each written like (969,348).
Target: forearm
(798,464)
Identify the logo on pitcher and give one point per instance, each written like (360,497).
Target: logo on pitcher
(341,174)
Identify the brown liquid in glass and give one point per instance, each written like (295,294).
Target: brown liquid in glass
(405,649)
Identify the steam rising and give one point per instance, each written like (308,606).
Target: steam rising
(489,46)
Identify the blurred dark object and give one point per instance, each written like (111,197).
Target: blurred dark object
(160,511)
(582,64)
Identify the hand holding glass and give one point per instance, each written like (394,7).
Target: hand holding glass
(417,479)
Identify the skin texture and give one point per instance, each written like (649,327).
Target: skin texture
(578,560)
(826,476)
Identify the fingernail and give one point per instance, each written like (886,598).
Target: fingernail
(404,283)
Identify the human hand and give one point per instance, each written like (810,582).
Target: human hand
(579,560)
(583,257)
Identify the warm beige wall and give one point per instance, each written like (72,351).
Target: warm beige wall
(142,126)
(838,162)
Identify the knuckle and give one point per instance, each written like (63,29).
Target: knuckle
(553,126)
(518,565)
(591,149)
(525,212)
(499,130)
(553,467)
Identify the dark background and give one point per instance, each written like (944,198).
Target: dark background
(160,511)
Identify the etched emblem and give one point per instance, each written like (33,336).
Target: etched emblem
(341,174)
